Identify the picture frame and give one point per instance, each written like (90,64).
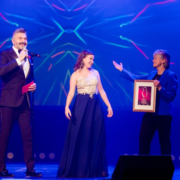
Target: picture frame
(144,99)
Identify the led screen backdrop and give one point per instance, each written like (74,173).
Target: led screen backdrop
(128,31)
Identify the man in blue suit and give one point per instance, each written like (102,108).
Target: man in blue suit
(167,84)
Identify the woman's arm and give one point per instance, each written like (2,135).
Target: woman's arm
(128,75)
(70,94)
(168,92)
(103,95)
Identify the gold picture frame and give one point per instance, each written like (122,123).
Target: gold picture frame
(144,99)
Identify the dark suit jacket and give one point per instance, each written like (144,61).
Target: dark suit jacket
(166,95)
(12,80)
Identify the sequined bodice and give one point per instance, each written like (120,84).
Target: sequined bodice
(87,85)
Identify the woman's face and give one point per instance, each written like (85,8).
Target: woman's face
(158,61)
(88,61)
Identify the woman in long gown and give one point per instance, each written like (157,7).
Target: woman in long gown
(84,153)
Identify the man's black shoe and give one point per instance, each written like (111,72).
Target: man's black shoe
(4,173)
(32,173)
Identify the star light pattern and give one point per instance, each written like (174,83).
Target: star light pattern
(59,30)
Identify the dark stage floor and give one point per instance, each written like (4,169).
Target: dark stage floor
(49,172)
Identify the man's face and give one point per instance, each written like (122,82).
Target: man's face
(158,61)
(19,40)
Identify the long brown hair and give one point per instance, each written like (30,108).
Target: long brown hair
(82,55)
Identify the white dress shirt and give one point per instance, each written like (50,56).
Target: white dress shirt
(25,64)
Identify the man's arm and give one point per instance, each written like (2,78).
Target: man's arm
(5,66)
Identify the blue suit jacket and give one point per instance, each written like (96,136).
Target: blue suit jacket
(166,95)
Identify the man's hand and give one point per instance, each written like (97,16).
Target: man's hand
(32,88)
(23,54)
(157,84)
(118,66)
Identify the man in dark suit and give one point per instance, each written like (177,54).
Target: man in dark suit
(16,72)
(167,84)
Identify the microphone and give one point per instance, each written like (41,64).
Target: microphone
(21,50)
(33,54)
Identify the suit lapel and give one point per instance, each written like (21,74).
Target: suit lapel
(14,56)
(29,61)
(163,76)
(152,74)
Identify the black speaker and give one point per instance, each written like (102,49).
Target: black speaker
(143,168)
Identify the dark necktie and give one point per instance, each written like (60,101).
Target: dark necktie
(19,50)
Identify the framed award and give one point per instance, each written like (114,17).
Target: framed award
(144,99)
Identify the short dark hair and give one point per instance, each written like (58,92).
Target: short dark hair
(163,55)
(19,30)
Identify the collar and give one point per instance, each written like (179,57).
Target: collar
(16,50)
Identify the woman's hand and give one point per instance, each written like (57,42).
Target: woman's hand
(110,112)
(68,112)
(157,84)
(118,66)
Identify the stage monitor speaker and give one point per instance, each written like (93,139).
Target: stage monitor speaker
(139,167)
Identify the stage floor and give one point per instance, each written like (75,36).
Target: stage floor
(49,172)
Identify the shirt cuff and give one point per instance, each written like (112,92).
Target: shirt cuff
(18,61)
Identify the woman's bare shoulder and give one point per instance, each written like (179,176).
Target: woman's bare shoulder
(76,73)
(95,71)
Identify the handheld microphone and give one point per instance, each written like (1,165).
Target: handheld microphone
(25,53)
(21,50)
(33,54)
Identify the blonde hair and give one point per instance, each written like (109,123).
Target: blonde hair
(163,55)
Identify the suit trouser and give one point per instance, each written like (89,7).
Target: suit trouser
(23,115)
(151,123)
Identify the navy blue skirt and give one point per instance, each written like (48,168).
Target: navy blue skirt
(84,153)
